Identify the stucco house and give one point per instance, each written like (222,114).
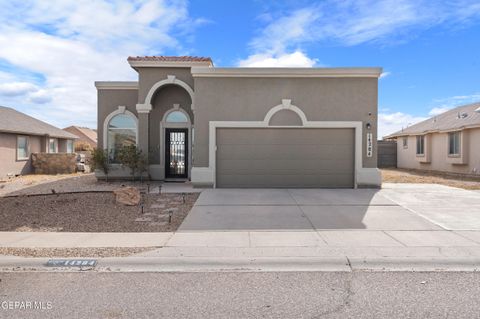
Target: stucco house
(245,127)
(85,135)
(449,142)
(21,135)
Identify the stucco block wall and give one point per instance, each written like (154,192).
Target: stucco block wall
(54,163)
(439,153)
(8,154)
(109,101)
(249,99)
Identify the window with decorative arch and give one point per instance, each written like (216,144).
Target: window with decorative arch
(121,131)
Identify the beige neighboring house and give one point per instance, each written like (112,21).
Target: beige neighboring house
(21,135)
(448,142)
(244,127)
(85,135)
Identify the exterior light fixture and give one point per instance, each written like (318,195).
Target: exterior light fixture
(369,126)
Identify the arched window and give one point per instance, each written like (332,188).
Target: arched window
(176,117)
(122,131)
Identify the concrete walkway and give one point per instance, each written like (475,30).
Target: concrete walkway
(399,227)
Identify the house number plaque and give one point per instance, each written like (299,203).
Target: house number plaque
(369,144)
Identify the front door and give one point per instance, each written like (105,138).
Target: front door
(176,153)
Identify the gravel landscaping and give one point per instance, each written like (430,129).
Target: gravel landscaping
(46,184)
(93,212)
(415,176)
(74,252)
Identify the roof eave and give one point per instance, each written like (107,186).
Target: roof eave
(373,72)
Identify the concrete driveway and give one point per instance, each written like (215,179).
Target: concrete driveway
(396,207)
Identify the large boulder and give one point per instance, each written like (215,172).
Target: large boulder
(129,196)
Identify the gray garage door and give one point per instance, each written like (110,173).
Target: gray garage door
(285,157)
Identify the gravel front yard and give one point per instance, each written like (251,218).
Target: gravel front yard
(415,176)
(93,212)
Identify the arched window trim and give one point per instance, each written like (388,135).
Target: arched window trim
(176,108)
(120,110)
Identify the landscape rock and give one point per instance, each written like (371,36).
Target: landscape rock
(129,196)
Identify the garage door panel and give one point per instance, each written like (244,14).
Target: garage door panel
(273,166)
(277,157)
(294,152)
(285,181)
(269,136)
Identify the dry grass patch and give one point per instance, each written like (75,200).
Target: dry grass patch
(428,177)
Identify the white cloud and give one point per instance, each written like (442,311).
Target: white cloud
(296,59)
(40,97)
(355,22)
(73,43)
(438,110)
(450,102)
(17,88)
(389,123)
(385,74)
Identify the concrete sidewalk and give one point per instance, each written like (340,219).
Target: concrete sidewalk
(263,251)
(246,239)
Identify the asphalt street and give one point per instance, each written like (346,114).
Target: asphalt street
(242,295)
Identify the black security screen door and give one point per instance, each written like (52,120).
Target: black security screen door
(176,153)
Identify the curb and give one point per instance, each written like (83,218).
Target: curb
(254,264)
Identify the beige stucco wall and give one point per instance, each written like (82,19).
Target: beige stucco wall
(249,99)
(147,77)
(439,161)
(8,154)
(109,101)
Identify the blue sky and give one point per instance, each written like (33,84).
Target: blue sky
(429,49)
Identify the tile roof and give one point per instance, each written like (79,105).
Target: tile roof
(163,58)
(12,121)
(88,132)
(460,117)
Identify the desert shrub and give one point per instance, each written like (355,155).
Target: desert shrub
(83,146)
(133,158)
(99,160)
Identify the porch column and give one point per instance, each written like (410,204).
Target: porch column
(143,112)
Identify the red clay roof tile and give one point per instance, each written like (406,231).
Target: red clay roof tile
(170,58)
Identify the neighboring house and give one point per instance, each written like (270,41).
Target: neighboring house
(21,135)
(244,127)
(85,135)
(447,142)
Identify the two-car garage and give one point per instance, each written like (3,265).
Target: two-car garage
(285,157)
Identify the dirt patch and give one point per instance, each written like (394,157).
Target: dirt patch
(424,177)
(74,252)
(19,183)
(94,212)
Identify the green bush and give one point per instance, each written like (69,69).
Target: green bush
(133,158)
(99,161)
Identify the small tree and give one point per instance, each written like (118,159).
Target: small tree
(131,157)
(142,165)
(100,161)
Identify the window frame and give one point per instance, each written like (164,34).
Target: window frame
(27,145)
(72,148)
(107,133)
(420,145)
(457,144)
(55,140)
